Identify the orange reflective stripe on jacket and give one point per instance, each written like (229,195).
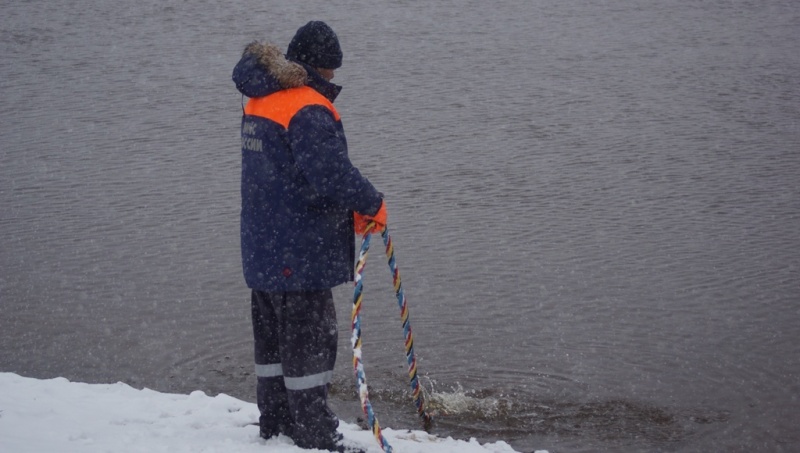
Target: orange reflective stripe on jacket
(281,106)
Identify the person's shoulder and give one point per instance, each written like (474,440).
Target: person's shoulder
(285,105)
(307,99)
(313,97)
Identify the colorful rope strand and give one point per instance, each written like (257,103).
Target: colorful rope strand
(355,341)
(416,392)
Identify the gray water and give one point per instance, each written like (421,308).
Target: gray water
(595,208)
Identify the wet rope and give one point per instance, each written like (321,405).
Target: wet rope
(416,391)
(355,339)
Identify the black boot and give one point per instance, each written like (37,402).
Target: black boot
(340,445)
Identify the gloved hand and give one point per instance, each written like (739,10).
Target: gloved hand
(363,220)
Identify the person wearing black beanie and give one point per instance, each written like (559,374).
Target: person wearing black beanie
(302,202)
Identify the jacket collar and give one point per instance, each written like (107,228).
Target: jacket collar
(316,81)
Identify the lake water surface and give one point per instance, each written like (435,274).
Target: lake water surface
(595,208)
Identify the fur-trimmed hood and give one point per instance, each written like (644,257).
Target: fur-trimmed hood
(264,69)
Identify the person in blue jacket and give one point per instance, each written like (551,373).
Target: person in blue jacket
(301,196)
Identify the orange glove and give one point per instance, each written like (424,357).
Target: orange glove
(362,221)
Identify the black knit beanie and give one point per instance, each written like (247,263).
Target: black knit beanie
(316,45)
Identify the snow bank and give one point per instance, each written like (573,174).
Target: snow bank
(57,415)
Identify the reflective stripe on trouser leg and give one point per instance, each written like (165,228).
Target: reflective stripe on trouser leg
(307,382)
(271,370)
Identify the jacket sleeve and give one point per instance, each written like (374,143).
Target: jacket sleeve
(320,152)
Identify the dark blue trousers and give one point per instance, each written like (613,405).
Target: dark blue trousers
(295,337)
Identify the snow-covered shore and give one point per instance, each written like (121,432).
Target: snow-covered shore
(56,415)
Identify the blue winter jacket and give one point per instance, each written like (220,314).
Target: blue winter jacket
(299,188)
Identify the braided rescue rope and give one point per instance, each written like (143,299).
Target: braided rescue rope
(355,339)
(416,392)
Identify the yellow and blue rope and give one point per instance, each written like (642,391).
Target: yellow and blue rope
(355,339)
(408,336)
